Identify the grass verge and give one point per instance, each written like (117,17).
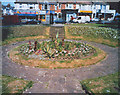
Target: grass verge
(105,85)
(102,35)
(14,34)
(14,85)
(13,40)
(93,25)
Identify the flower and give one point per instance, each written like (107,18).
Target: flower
(57,55)
(39,50)
(56,51)
(65,51)
(108,90)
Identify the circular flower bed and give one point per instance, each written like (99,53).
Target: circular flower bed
(56,50)
(56,54)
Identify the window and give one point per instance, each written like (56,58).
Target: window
(77,6)
(94,7)
(100,6)
(43,17)
(66,5)
(70,6)
(31,7)
(104,7)
(94,15)
(59,15)
(55,7)
(56,14)
(59,6)
(42,6)
(45,6)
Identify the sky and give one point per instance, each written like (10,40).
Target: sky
(5,2)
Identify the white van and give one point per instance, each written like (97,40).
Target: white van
(82,19)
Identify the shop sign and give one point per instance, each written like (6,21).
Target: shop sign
(82,11)
(27,12)
(52,12)
(47,12)
(43,12)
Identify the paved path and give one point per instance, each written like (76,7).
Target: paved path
(60,80)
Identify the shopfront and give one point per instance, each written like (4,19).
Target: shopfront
(50,16)
(42,16)
(27,15)
(85,13)
(67,13)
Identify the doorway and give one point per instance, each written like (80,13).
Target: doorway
(51,18)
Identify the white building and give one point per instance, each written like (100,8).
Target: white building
(102,10)
(96,10)
(27,10)
(26,6)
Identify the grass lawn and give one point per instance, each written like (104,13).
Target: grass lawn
(14,85)
(12,34)
(88,32)
(106,85)
(93,24)
(101,35)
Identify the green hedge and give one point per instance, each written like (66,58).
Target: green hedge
(23,31)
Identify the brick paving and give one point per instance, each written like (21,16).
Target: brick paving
(59,80)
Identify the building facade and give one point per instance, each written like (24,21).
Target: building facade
(27,10)
(47,12)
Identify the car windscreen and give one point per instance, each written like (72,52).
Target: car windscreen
(79,18)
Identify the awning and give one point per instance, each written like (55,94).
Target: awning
(82,11)
(42,12)
(26,14)
(50,12)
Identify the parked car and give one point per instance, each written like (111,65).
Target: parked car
(95,19)
(82,19)
(117,19)
(110,19)
(59,20)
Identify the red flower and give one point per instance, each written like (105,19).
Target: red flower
(39,50)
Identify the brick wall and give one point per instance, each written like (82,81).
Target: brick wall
(63,6)
(74,6)
(52,7)
(40,6)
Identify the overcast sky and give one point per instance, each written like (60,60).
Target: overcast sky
(7,0)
